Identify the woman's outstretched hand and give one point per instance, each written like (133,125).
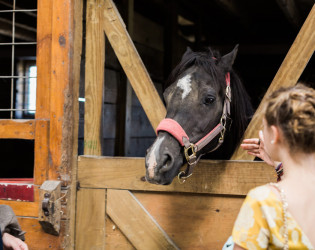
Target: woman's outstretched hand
(256,147)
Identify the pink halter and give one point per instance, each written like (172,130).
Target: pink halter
(175,129)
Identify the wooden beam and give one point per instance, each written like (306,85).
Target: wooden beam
(17,129)
(291,11)
(212,177)
(132,64)
(41,157)
(43,58)
(61,91)
(288,74)
(90,233)
(77,50)
(29,209)
(90,222)
(135,222)
(94,77)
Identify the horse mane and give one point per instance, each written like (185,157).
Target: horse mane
(241,107)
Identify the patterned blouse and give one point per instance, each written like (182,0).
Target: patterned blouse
(259,224)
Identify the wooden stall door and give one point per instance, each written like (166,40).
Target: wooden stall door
(116,208)
(57,57)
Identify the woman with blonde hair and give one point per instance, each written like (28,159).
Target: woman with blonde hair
(282,215)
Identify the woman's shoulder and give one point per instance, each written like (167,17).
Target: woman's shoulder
(264,195)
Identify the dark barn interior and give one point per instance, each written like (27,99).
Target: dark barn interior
(161,31)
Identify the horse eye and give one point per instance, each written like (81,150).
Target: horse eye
(208,100)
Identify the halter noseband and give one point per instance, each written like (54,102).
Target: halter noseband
(190,149)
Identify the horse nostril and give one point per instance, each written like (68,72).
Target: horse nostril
(167,163)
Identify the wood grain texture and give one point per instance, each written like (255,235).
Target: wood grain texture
(43,58)
(135,222)
(212,177)
(22,208)
(115,239)
(36,238)
(132,64)
(90,223)
(17,129)
(94,77)
(288,74)
(41,157)
(193,221)
(60,89)
(77,50)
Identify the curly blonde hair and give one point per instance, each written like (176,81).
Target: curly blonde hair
(293,111)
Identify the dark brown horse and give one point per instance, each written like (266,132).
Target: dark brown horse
(204,93)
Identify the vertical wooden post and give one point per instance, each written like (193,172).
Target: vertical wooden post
(90,233)
(77,50)
(94,77)
(42,115)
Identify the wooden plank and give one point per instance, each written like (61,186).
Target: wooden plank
(288,74)
(132,64)
(212,177)
(43,58)
(194,221)
(41,160)
(60,91)
(17,129)
(36,238)
(135,222)
(90,222)
(22,208)
(77,50)
(94,77)
(115,238)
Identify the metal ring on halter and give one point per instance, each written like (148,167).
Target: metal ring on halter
(182,179)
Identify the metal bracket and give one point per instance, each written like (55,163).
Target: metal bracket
(49,212)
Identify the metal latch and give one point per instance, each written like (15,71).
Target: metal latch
(49,212)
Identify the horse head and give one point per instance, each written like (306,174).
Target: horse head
(195,102)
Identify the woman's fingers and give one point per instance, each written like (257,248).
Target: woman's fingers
(251,141)
(249,146)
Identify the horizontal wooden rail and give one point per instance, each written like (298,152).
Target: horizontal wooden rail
(212,177)
(17,129)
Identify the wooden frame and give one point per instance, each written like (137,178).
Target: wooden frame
(103,179)
(59,39)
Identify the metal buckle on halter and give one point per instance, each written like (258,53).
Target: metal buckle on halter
(190,153)
(223,123)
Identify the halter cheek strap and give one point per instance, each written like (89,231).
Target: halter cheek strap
(175,129)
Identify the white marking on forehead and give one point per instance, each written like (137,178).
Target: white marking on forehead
(185,84)
(151,162)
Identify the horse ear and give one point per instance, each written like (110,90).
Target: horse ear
(187,52)
(229,58)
